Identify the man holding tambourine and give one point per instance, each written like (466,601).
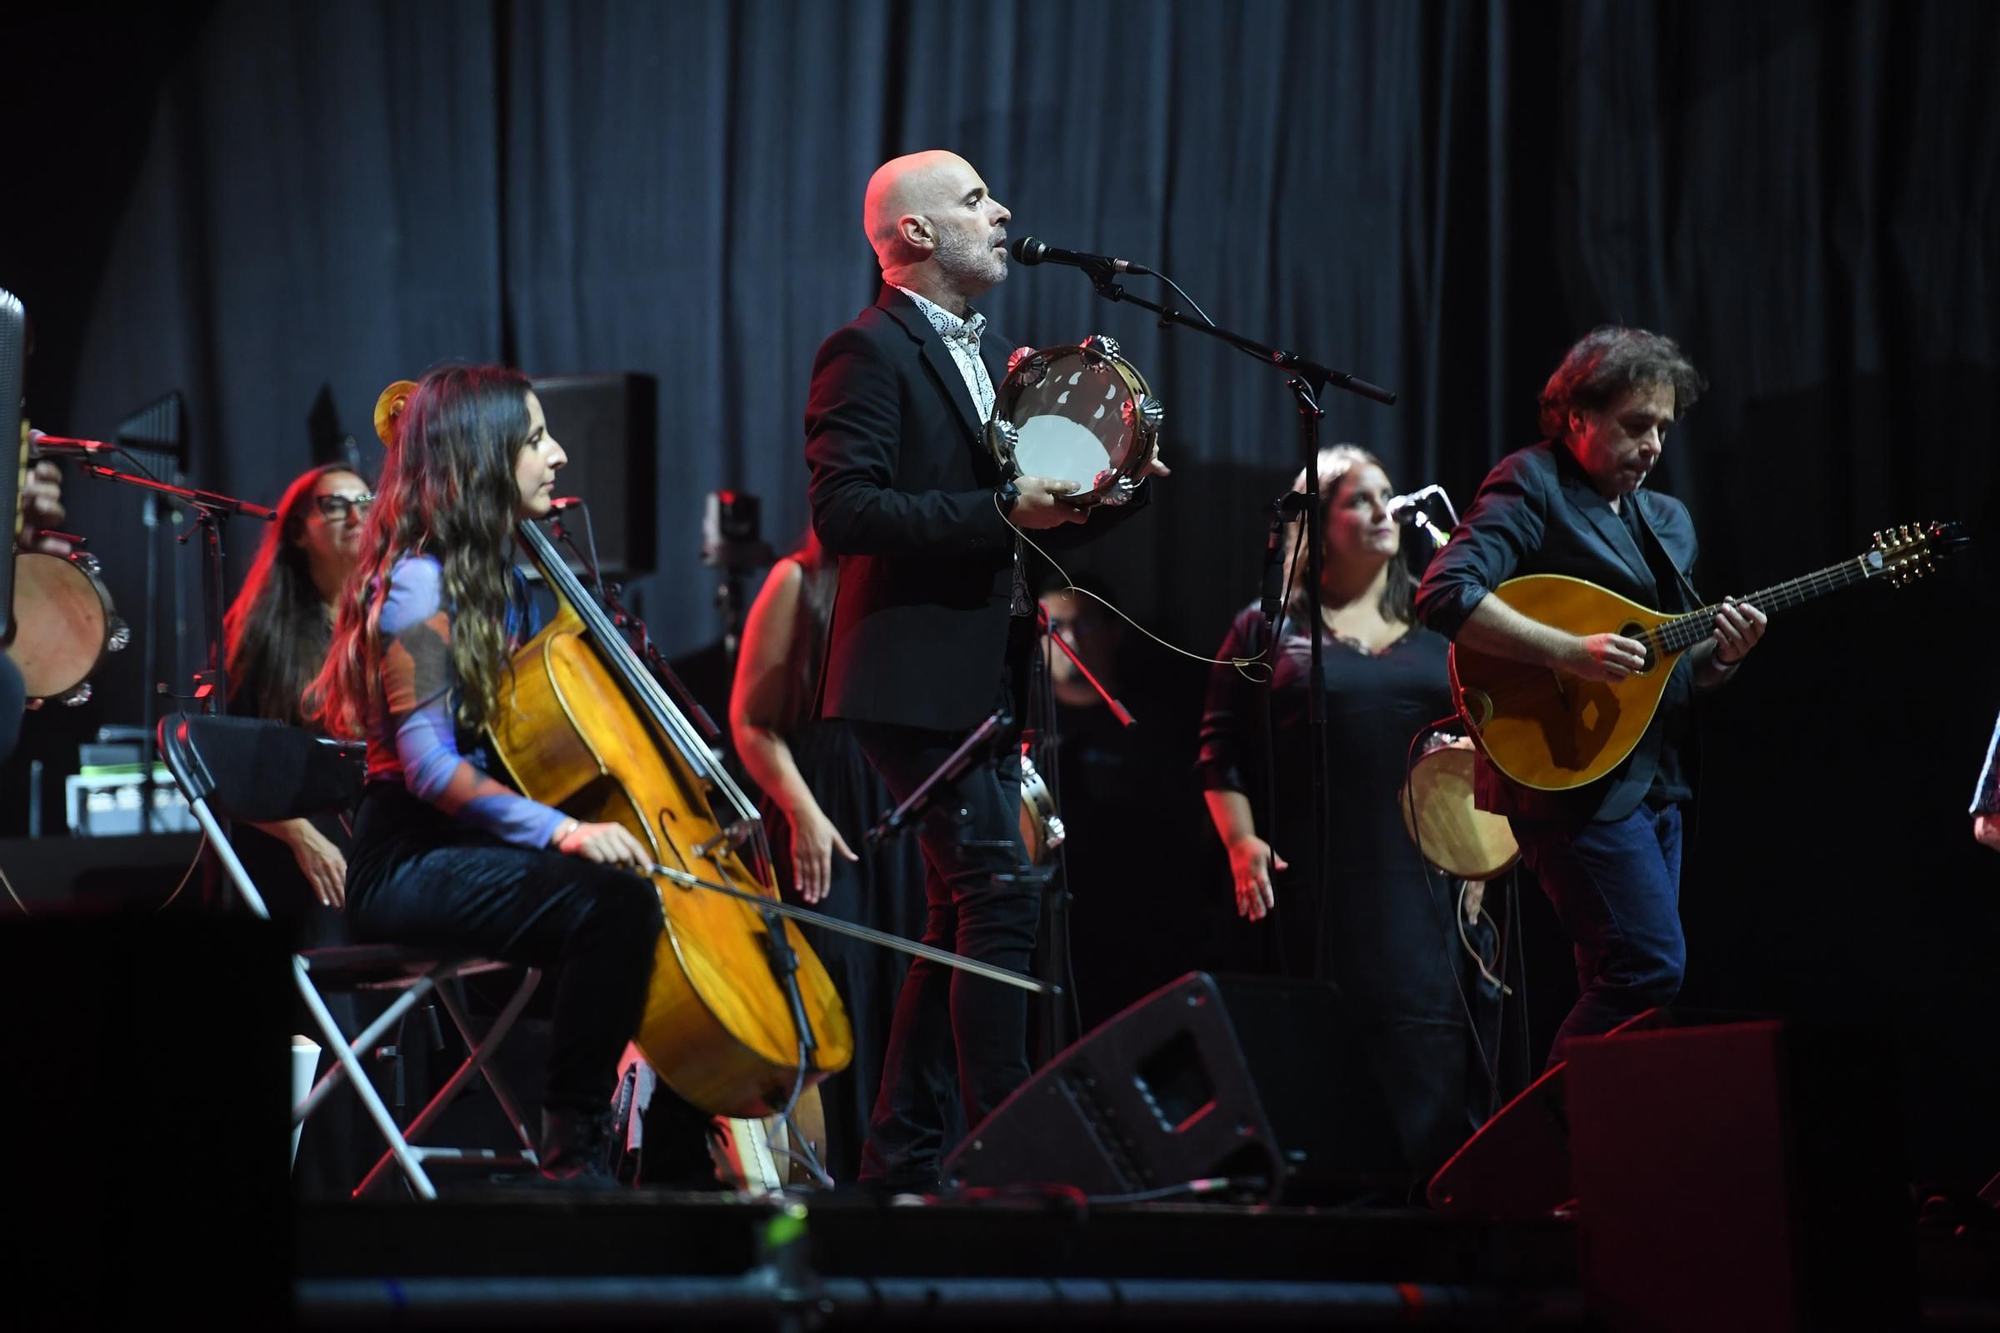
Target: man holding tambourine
(932,626)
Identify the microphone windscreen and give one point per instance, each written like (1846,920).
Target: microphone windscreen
(1029,251)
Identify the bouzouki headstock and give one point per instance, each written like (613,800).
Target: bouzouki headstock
(1902,554)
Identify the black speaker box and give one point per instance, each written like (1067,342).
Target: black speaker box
(147,1118)
(606,424)
(1207,1077)
(1740,1176)
(1516,1168)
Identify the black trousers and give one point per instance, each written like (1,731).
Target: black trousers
(982,901)
(420,878)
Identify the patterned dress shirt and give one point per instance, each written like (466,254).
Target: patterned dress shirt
(962,337)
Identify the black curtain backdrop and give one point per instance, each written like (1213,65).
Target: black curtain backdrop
(1438,197)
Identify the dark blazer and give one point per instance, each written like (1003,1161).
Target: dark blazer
(1986,796)
(902,491)
(1538,513)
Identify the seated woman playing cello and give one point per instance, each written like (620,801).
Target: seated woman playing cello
(445,856)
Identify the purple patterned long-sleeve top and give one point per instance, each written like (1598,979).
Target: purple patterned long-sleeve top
(412,730)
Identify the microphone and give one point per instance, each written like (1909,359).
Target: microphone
(1409,509)
(562,502)
(1273,589)
(1403,508)
(60,444)
(1031,252)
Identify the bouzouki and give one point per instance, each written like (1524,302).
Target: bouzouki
(1552,731)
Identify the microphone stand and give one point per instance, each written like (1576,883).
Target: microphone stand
(211,683)
(1046,742)
(1118,710)
(1307,380)
(983,737)
(210,508)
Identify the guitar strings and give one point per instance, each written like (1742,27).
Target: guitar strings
(1684,631)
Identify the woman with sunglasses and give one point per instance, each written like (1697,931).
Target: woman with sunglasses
(278,630)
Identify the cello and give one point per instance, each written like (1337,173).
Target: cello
(583,726)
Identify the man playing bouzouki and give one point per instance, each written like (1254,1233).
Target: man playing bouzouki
(1608,854)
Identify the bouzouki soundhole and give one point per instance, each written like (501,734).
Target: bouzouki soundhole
(1632,629)
(1477,706)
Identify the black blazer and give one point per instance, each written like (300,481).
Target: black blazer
(902,491)
(1538,513)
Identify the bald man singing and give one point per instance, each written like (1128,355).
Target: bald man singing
(931,630)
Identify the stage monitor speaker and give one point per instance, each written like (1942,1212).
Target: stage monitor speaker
(1207,1077)
(147,1119)
(1516,1167)
(1741,1176)
(606,423)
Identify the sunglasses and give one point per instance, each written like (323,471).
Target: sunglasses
(334,508)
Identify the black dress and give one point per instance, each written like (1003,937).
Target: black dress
(884,889)
(1389,939)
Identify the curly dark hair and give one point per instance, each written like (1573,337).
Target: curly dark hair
(448,491)
(1607,362)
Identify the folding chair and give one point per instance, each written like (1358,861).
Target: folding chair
(261,772)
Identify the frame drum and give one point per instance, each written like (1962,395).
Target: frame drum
(1450,833)
(66,622)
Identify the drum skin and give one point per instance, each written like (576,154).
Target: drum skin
(1456,837)
(1081,414)
(65,619)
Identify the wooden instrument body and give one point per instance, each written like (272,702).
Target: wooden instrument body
(1546,729)
(718,1028)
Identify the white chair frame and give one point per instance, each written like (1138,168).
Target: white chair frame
(420,975)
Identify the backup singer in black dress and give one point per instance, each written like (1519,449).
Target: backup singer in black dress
(819,794)
(1390,939)
(277,631)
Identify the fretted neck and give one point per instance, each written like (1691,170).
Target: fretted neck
(1684,632)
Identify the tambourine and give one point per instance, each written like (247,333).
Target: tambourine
(390,406)
(1081,414)
(1450,832)
(65,624)
(1041,827)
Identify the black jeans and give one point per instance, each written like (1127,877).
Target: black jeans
(420,878)
(981,902)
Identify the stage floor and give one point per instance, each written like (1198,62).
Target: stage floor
(501,1258)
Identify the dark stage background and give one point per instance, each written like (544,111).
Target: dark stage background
(253,203)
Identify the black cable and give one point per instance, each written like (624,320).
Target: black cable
(1185,297)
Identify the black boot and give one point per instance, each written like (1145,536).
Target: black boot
(576,1148)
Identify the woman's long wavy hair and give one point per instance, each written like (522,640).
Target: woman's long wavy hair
(1399,595)
(277,629)
(448,491)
